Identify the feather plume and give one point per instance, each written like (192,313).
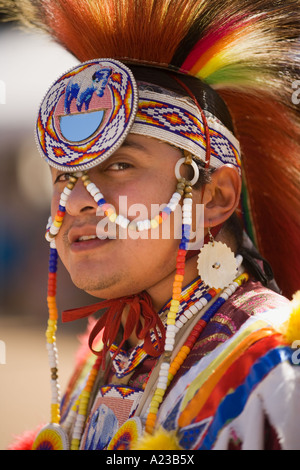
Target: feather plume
(247,50)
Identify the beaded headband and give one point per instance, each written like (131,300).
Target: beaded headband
(88,112)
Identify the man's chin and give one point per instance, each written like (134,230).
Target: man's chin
(104,288)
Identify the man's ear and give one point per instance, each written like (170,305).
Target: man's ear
(221,196)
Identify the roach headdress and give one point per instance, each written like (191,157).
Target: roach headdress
(246,51)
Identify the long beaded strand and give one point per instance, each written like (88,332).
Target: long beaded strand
(52,231)
(169,370)
(174,306)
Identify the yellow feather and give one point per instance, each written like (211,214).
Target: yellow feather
(160,440)
(292,331)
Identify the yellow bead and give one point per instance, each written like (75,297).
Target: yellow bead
(153,409)
(159,392)
(112,217)
(154,223)
(175,303)
(174,309)
(75,444)
(170,377)
(171,315)
(157,398)
(171,321)
(57,224)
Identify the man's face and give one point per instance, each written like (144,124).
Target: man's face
(142,170)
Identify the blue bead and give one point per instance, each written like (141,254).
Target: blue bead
(101,202)
(61,208)
(167,210)
(183,245)
(207,297)
(52,269)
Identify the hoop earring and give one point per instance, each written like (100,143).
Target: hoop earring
(217,266)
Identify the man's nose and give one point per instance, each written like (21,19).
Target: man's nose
(80,200)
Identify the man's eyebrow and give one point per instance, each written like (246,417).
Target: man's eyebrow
(135,145)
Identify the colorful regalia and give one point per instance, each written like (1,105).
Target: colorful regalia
(217,367)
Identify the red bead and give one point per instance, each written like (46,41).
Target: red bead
(180,266)
(51,275)
(212,292)
(181,252)
(194,334)
(180,259)
(200,325)
(60,213)
(180,271)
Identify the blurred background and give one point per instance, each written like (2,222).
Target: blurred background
(29,63)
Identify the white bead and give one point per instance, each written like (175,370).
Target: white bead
(90,186)
(187,201)
(62,202)
(187,220)
(140,225)
(165,365)
(77,434)
(63,197)
(168,347)
(203,301)
(67,191)
(194,309)
(124,222)
(224,296)
(172,206)
(54,230)
(232,287)
(162,385)
(52,244)
(227,291)
(48,238)
(188,314)
(98,196)
(147,224)
(80,419)
(179,323)
(176,196)
(163,373)
(187,208)
(172,328)
(170,341)
(183,319)
(170,334)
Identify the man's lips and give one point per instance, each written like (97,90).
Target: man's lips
(82,234)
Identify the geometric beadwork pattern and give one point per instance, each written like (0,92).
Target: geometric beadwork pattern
(179,122)
(86,114)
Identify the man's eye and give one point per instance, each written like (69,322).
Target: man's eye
(119,166)
(62,178)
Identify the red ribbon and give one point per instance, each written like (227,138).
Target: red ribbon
(140,305)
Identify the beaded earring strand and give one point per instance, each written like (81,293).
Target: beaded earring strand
(172,328)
